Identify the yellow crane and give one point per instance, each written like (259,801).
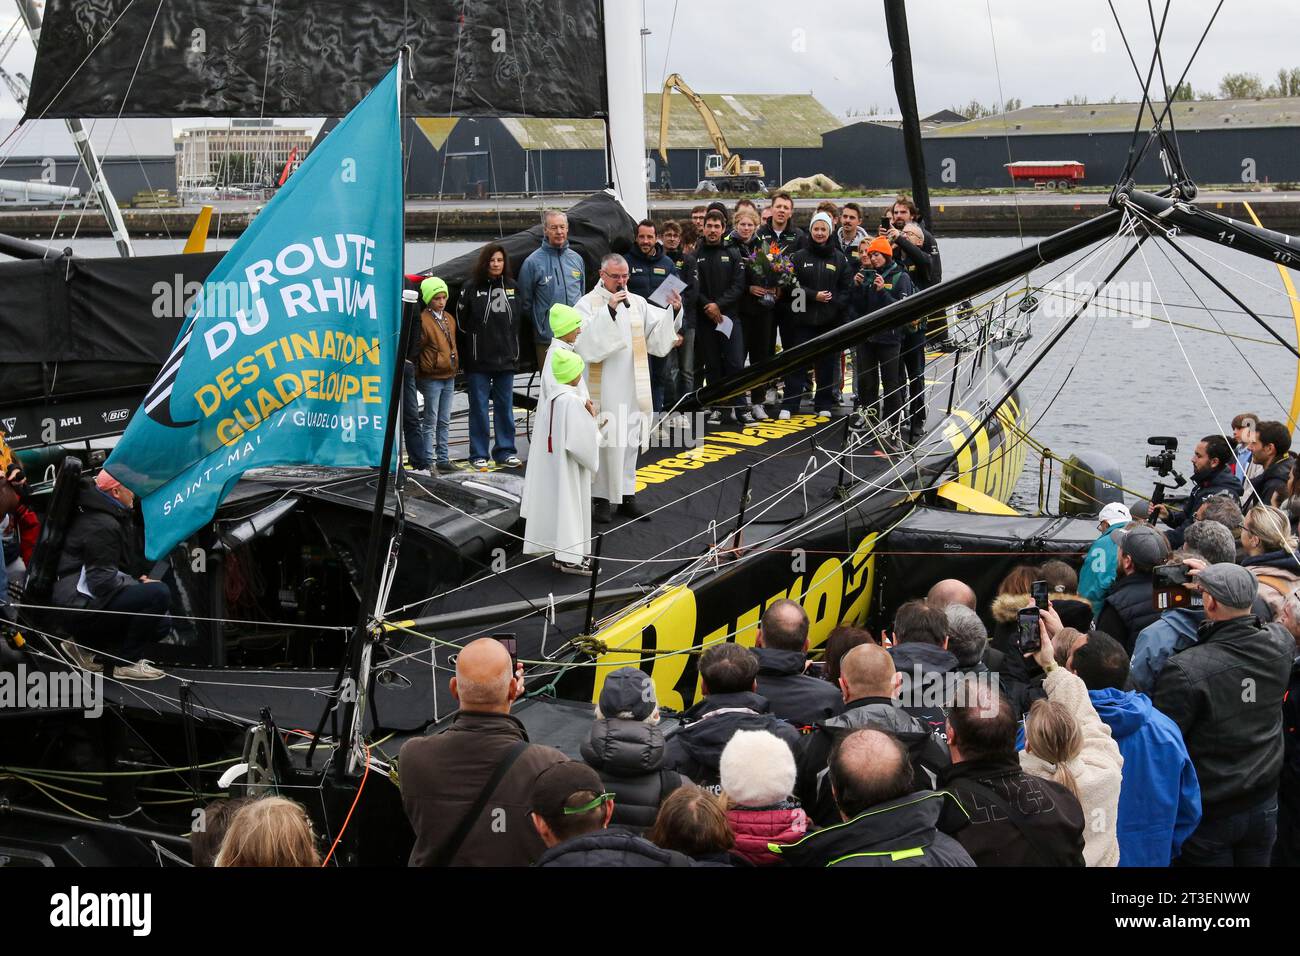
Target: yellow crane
(723,168)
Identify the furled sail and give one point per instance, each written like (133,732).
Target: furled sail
(269,58)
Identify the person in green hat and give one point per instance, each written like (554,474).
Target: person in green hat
(565,453)
(566,325)
(436,360)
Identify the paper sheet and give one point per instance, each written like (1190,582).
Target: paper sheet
(725,326)
(666,288)
(82,586)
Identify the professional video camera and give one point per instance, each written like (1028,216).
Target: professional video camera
(1163,463)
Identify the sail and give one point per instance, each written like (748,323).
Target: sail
(287,356)
(269,58)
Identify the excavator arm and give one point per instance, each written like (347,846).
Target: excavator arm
(710,123)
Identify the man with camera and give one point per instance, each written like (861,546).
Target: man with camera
(1128,607)
(1212,474)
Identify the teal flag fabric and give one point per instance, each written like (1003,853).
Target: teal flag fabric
(288,352)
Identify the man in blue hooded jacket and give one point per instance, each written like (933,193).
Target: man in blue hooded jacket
(1160,797)
(1099,564)
(553,273)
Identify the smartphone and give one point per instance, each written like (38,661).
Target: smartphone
(816,669)
(885,223)
(1169,588)
(512,648)
(1029,638)
(1169,575)
(1039,590)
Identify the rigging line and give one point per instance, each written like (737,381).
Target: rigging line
(1131,164)
(116,121)
(1175,159)
(266,70)
(1006,133)
(451,106)
(668,48)
(184,617)
(1254,371)
(86,58)
(139,692)
(1183,77)
(1219,430)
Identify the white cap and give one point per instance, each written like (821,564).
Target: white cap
(823,217)
(1116,512)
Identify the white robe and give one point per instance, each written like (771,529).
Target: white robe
(556,504)
(618,376)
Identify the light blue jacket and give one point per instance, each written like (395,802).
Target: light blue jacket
(1099,567)
(1156,643)
(549,276)
(1160,797)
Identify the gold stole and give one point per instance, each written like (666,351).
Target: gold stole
(640,366)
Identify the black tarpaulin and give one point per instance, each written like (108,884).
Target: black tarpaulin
(268,58)
(73,328)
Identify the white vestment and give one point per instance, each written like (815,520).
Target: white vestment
(618,376)
(556,504)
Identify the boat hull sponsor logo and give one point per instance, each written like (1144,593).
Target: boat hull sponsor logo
(660,636)
(115,416)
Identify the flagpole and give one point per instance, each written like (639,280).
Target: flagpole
(367,633)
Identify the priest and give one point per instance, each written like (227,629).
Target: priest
(620,330)
(556,504)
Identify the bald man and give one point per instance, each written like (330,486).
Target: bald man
(884,819)
(782,650)
(870,687)
(951,591)
(458,819)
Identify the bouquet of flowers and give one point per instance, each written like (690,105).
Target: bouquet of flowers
(772,268)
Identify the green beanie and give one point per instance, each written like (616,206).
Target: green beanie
(566,366)
(564,319)
(430,287)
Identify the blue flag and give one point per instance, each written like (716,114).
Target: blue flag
(287,354)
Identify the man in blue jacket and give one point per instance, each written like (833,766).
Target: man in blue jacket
(1098,571)
(1160,797)
(553,273)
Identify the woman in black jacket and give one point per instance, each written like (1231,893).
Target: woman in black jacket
(488,319)
(824,280)
(878,283)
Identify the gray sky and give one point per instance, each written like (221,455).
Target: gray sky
(1046,49)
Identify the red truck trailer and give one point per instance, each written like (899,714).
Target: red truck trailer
(1050,174)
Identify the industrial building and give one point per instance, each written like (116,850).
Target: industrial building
(1221,141)
(136,154)
(478,156)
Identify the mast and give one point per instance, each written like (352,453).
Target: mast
(81,140)
(625,107)
(366,633)
(905,89)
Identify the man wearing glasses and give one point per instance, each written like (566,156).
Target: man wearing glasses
(620,331)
